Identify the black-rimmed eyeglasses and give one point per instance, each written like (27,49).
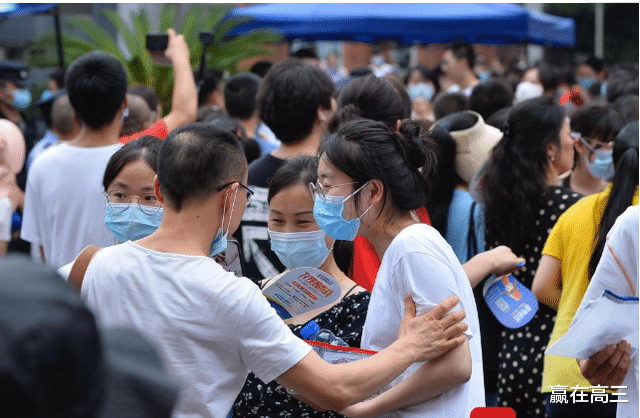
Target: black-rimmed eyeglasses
(248,191)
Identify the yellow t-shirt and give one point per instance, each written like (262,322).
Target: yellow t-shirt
(571,241)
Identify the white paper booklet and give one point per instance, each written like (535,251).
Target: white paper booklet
(301,290)
(607,320)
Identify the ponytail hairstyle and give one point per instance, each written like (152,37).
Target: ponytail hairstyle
(513,185)
(365,149)
(625,184)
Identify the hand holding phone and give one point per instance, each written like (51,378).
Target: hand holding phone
(157,41)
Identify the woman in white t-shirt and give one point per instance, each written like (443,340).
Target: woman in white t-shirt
(370,183)
(132,210)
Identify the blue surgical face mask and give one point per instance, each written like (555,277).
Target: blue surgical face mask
(377,60)
(586,83)
(328,215)
(602,165)
(46,95)
(424,90)
(300,249)
(484,76)
(127,222)
(219,243)
(21,98)
(603,89)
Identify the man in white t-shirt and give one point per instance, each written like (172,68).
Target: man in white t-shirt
(458,62)
(64,200)
(64,205)
(211,327)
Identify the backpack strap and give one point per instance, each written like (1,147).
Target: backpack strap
(472,245)
(79,268)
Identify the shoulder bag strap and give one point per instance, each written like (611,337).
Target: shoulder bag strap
(76,276)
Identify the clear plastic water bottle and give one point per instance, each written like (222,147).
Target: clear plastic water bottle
(313,332)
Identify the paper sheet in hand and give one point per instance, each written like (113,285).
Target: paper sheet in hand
(302,290)
(607,320)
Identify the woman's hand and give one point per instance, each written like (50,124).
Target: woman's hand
(504,260)
(499,261)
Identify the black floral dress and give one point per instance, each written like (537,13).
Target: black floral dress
(521,351)
(268,400)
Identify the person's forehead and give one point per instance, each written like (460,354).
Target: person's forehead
(327,170)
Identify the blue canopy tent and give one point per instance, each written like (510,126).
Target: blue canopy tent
(8,10)
(409,23)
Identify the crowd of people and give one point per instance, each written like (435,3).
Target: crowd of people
(410,193)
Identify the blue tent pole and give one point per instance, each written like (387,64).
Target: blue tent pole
(56,18)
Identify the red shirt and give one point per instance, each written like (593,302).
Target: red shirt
(158,129)
(366,262)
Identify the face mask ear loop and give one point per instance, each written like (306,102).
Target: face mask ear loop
(230,213)
(588,145)
(224,209)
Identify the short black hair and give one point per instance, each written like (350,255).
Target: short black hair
(489,97)
(240,94)
(598,121)
(58,76)
(622,81)
(549,77)
(303,53)
(360,72)
(250,145)
(627,106)
(463,50)
(261,68)
(139,115)
(96,84)
(62,115)
(498,118)
(147,93)
(595,63)
(447,103)
(211,77)
(145,148)
(289,97)
(195,160)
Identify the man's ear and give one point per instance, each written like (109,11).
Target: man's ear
(156,189)
(228,197)
(323,115)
